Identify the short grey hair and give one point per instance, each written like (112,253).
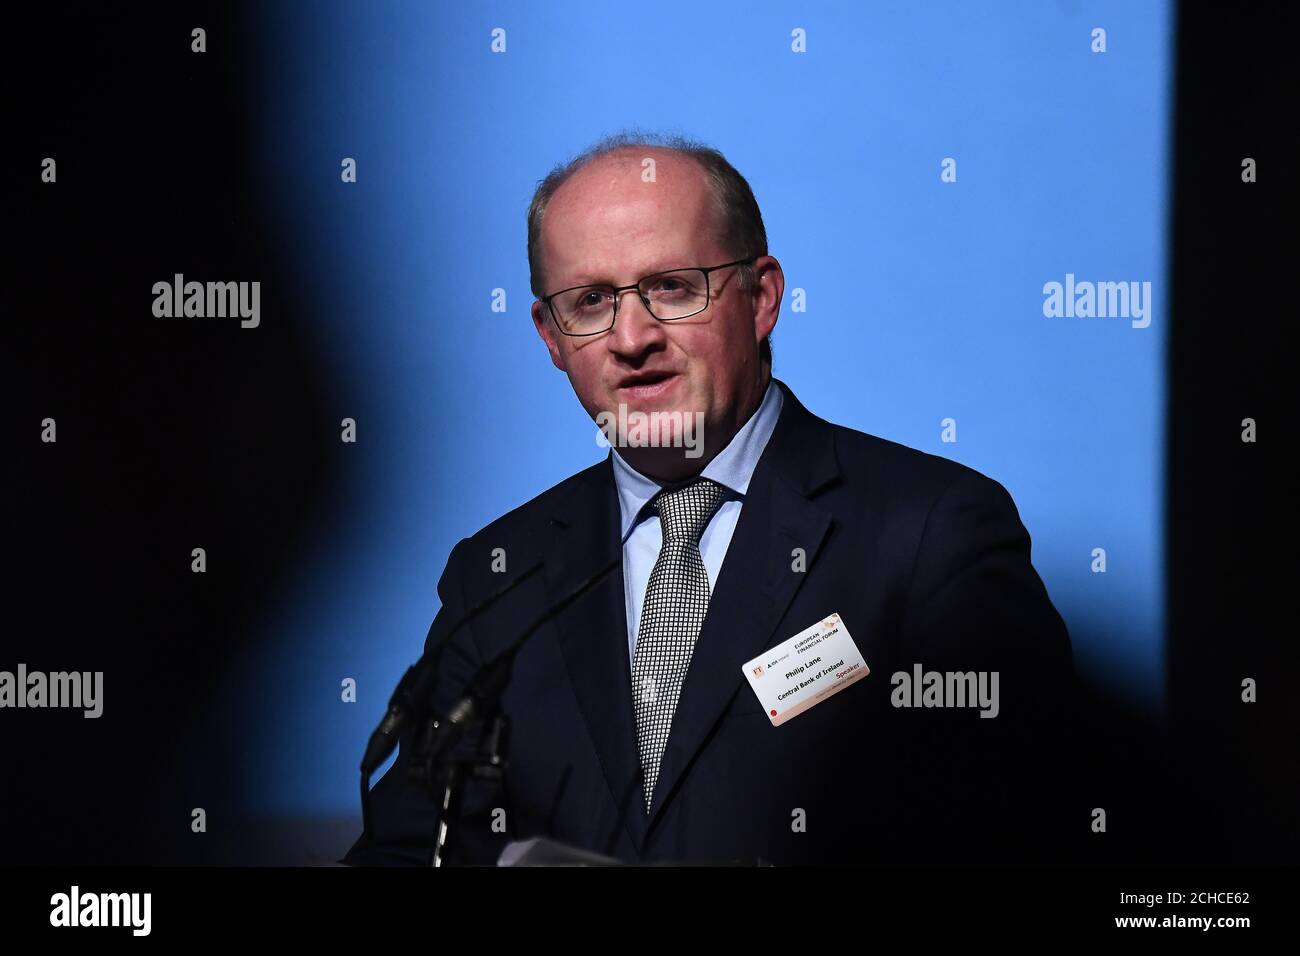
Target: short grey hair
(740,223)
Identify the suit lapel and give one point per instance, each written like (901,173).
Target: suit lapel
(757,581)
(593,638)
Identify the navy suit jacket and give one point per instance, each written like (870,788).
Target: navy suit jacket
(926,561)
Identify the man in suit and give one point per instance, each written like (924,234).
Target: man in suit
(635,732)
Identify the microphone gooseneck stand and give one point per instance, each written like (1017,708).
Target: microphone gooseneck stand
(413,696)
(433,764)
(435,739)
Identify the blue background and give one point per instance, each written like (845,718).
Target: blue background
(924,298)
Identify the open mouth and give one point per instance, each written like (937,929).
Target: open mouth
(648,385)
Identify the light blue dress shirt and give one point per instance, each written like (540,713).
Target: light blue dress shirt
(642,536)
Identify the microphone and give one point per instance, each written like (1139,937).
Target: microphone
(415,690)
(489,683)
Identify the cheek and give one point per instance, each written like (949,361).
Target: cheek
(725,351)
(578,354)
(585,371)
(710,344)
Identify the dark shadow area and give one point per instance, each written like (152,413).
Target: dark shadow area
(172,434)
(1230,514)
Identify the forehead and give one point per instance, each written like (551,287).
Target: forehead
(611,223)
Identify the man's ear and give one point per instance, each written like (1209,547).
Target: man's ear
(768,291)
(542,321)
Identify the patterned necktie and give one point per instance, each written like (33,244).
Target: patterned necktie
(676,599)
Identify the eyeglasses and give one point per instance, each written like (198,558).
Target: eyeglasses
(668,296)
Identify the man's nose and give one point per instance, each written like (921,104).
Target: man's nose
(635,329)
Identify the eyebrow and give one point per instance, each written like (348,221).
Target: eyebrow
(664,265)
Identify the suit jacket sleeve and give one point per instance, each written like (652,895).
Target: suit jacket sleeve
(403,815)
(986,788)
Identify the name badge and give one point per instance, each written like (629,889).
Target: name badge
(805,670)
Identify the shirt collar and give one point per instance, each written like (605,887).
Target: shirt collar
(733,467)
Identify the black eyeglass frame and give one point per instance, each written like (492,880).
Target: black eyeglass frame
(619,290)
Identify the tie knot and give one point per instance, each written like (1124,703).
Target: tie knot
(684,512)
